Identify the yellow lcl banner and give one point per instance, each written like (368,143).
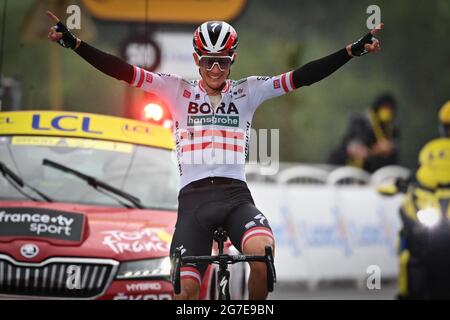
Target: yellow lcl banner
(84,125)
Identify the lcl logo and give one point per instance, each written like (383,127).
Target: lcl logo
(64,123)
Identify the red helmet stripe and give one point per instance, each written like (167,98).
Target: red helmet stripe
(198,41)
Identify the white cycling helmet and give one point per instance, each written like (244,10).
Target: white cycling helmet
(215,37)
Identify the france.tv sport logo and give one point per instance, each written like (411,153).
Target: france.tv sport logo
(41,223)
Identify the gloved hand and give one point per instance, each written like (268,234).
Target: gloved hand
(366,44)
(61,34)
(68,40)
(358,46)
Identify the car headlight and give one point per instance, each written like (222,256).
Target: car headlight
(144,269)
(429,217)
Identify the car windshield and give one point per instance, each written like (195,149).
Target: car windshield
(145,172)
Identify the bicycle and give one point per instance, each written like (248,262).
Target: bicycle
(223,260)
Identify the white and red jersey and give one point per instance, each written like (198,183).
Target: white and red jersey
(212,142)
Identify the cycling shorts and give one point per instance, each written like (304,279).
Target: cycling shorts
(206,204)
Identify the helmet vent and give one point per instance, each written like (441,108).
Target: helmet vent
(202,39)
(225,39)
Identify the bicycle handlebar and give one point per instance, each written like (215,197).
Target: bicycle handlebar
(178,261)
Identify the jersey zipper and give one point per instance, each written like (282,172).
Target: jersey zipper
(214,109)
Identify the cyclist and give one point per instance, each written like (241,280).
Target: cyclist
(212,119)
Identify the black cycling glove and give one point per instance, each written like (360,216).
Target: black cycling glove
(68,40)
(358,46)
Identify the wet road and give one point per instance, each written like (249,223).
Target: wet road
(285,291)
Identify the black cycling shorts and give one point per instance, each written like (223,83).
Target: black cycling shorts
(207,204)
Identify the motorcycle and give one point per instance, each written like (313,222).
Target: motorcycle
(424,239)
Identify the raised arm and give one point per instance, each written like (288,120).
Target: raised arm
(106,63)
(263,88)
(317,70)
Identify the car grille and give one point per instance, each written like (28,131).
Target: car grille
(56,277)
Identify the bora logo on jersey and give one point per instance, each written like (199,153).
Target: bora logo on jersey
(202,114)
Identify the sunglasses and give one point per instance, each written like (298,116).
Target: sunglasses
(223,62)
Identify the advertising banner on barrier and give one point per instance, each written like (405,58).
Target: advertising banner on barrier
(330,233)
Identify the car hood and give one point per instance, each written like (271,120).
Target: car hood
(35,231)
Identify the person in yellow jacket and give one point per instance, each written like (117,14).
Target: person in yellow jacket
(424,258)
(371,139)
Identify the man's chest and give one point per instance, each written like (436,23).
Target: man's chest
(230,110)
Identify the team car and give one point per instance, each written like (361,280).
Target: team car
(88,208)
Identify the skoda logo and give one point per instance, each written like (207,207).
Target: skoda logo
(29,250)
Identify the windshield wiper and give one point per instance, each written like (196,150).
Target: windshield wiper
(18,183)
(95,183)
